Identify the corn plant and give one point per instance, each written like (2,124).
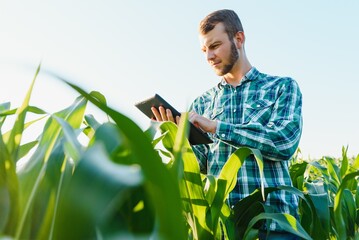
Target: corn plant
(126,183)
(204,197)
(331,185)
(115,186)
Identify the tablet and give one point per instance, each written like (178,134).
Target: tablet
(196,135)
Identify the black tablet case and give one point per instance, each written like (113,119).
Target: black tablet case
(196,135)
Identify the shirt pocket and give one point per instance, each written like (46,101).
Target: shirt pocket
(258,111)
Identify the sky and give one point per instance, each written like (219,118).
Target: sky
(129,50)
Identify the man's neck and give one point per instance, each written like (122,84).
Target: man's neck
(235,76)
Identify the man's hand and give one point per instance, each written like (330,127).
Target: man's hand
(203,123)
(161,114)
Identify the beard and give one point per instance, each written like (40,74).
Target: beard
(232,60)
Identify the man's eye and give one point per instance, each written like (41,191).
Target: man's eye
(215,46)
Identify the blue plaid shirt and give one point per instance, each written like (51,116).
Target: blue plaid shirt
(262,112)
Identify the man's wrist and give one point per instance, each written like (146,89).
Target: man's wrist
(214,126)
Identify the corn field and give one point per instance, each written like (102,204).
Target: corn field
(126,183)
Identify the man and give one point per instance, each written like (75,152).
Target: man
(247,108)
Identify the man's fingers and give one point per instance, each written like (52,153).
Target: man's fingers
(169,115)
(163,113)
(191,116)
(156,114)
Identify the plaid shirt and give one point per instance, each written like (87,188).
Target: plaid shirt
(262,112)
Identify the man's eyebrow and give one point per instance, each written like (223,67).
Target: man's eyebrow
(211,45)
(214,44)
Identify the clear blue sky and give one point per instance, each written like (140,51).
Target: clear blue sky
(129,50)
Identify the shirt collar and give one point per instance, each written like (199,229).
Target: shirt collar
(251,75)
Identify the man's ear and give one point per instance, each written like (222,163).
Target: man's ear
(239,38)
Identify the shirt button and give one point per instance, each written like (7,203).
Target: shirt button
(234,110)
(223,135)
(258,105)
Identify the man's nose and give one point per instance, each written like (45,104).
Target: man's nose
(210,55)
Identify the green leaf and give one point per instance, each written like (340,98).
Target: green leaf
(10,154)
(233,164)
(5,205)
(210,188)
(169,129)
(349,210)
(44,208)
(72,145)
(345,162)
(16,132)
(26,148)
(99,97)
(319,197)
(115,142)
(179,147)
(135,215)
(32,172)
(334,171)
(338,206)
(252,205)
(4,107)
(231,167)
(152,130)
(91,125)
(192,190)
(26,125)
(91,121)
(159,185)
(96,188)
(357,197)
(218,201)
(195,201)
(9,195)
(297,171)
(229,227)
(285,221)
(356,163)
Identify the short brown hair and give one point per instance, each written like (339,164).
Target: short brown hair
(229,18)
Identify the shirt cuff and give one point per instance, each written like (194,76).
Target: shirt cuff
(224,130)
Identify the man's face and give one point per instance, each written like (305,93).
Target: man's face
(221,52)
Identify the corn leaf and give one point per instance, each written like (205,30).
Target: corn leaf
(320,200)
(10,148)
(355,165)
(164,193)
(191,188)
(285,221)
(16,132)
(297,171)
(72,145)
(26,148)
(339,220)
(9,195)
(345,162)
(218,201)
(96,188)
(32,172)
(357,198)
(4,107)
(231,167)
(252,205)
(349,210)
